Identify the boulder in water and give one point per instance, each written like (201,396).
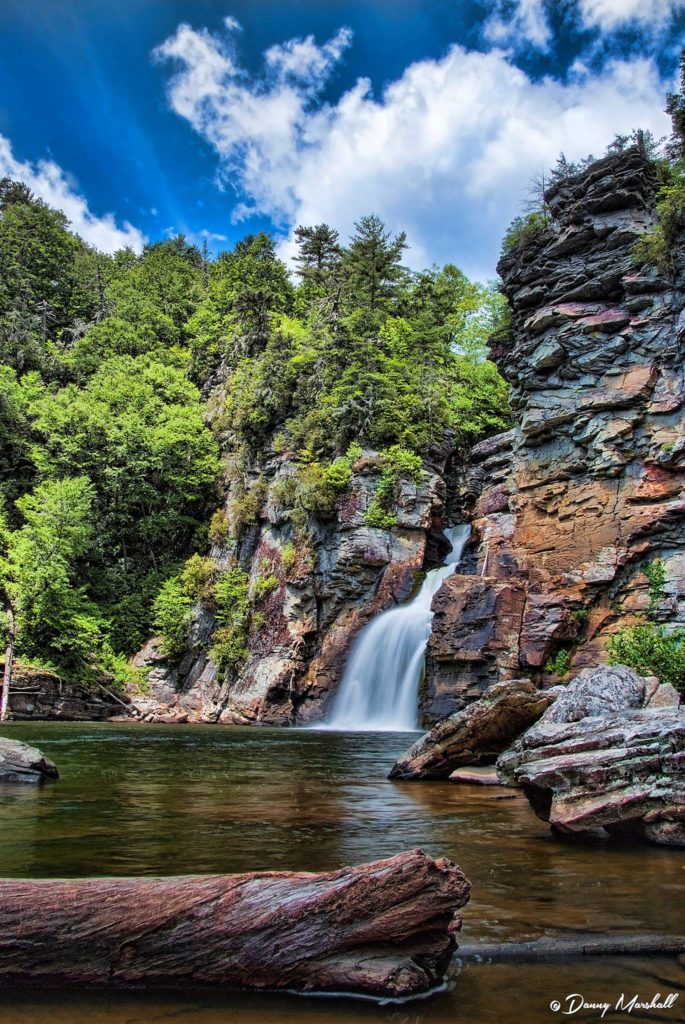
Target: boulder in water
(477,734)
(606,760)
(20,762)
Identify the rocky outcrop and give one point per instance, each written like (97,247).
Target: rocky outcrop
(385,929)
(327,589)
(20,762)
(39,694)
(607,759)
(569,506)
(476,735)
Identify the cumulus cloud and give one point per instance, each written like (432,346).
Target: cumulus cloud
(48,182)
(524,21)
(446,151)
(608,15)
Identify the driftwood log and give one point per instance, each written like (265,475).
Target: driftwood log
(549,949)
(383,929)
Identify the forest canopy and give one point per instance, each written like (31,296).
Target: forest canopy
(129,382)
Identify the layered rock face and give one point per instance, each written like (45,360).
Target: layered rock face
(607,759)
(309,620)
(40,694)
(569,506)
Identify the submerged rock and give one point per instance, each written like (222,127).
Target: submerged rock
(20,762)
(607,760)
(477,734)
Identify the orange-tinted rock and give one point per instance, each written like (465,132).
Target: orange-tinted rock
(590,485)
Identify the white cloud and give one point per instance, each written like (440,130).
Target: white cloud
(608,15)
(48,182)
(302,60)
(525,22)
(446,152)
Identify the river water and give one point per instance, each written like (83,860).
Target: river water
(183,799)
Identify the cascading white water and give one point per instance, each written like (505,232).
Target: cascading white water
(379,690)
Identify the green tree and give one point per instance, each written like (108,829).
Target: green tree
(373,262)
(56,623)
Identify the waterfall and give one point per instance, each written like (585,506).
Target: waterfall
(380,688)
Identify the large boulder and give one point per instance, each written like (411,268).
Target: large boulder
(477,734)
(607,760)
(20,762)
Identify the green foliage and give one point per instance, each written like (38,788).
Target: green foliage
(338,474)
(657,245)
(530,227)
(171,617)
(262,586)
(376,515)
(651,650)
(57,624)
(560,664)
(244,509)
(656,578)
(219,528)
(101,363)
(402,463)
(229,642)
(288,557)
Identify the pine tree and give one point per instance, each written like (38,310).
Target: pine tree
(373,263)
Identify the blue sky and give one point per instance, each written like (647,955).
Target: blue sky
(143,118)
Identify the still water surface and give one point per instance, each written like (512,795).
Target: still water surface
(185,799)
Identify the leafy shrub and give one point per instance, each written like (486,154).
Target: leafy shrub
(229,642)
(402,462)
(288,557)
(219,528)
(656,246)
(379,517)
(560,664)
(656,578)
(651,650)
(245,508)
(197,578)
(262,586)
(171,616)
(339,474)
(525,229)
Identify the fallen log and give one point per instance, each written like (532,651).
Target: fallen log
(384,929)
(569,948)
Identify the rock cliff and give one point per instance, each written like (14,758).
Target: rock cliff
(326,589)
(569,506)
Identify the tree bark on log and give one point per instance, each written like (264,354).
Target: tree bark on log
(564,949)
(383,929)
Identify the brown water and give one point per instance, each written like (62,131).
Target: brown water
(185,799)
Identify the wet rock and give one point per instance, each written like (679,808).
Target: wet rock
(607,759)
(476,735)
(20,762)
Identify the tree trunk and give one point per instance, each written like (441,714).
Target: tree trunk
(9,658)
(380,929)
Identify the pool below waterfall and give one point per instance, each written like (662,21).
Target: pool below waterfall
(186,799)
